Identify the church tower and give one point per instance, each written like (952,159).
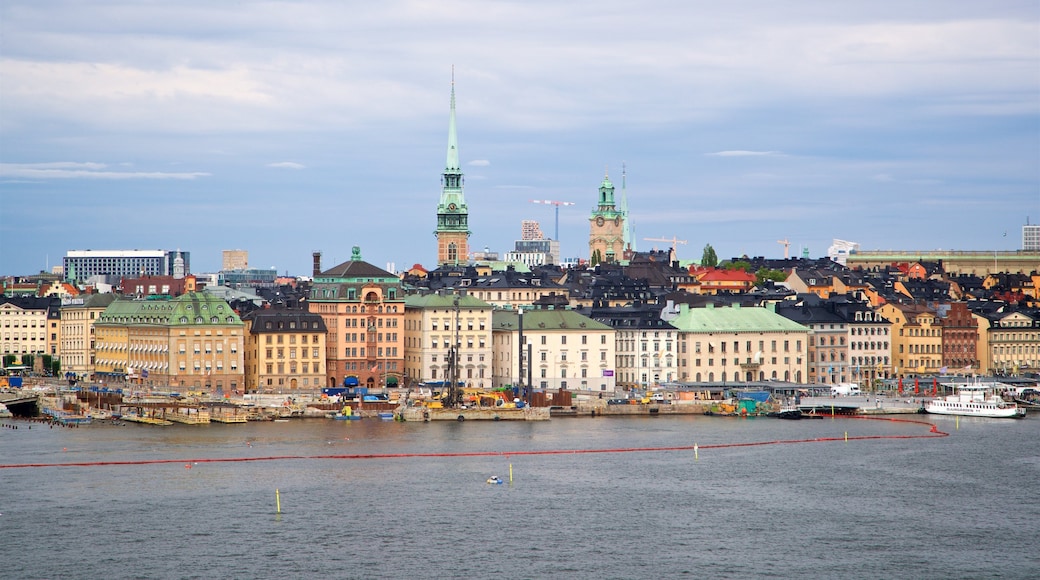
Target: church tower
(452,214)
(606,227)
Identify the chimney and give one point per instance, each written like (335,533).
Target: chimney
(317,264)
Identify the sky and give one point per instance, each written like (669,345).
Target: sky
(284,128)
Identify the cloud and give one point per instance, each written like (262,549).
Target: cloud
(74,170)
(479,163)
(287,165)
(743,153)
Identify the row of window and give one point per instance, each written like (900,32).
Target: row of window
(303,368)
(292,339)
(761,346)
(292,352)
(359,352)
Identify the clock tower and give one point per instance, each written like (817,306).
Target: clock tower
(606,227)
(452,214)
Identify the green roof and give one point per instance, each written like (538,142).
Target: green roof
(435,300)
(193,308)
(543,320)
(733,319)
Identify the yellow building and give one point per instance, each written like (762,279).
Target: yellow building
(285,351)
(916,339)
(1014,343)
(193,342)
(78,315)
(26,326)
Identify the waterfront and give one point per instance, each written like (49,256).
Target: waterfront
(961,506)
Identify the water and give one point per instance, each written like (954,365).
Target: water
(962,506)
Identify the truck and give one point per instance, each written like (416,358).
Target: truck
(845,390)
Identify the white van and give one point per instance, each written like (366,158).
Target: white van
(845,389)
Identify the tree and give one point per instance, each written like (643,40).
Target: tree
(739,265)
(709,258)
(596,258)
(764,274)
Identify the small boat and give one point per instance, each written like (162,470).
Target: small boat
(495,480)
(977,400)
(5,413)
(1028,399)
(789,413)
(386,416)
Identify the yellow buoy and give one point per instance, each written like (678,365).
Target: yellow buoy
(278,501)
(696,454)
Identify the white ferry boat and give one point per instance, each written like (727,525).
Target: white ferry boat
(979,400)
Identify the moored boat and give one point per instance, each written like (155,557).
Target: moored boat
(976,400)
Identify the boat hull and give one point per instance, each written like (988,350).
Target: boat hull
(988,410)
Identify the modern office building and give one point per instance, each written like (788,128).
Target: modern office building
(79,265)
(1031,238)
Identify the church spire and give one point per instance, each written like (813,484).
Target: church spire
(630,244)
(452,214)
(453,139)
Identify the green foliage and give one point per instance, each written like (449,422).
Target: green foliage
(9,360)
(739,265)
(764,274)
(596,258)
(709,258)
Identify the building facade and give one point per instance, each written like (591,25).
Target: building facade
(646,346)
(235,260)
(960,338)
(80,265)
(78,315)
(436,321)
(916,339)
(363,309)
(193,342)
(567,351)
(26,326)
(284,351)
(737,344)
(1014,342)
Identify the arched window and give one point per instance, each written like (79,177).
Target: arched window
(453,252)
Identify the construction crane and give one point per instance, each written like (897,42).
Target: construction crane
(557,204)
(674,240)
(787,246)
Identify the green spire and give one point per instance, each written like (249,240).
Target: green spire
(452,211)
(606,194)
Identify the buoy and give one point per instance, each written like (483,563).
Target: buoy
(510,473)
(187,466)
(696,454)
(277,501)
(461,418)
